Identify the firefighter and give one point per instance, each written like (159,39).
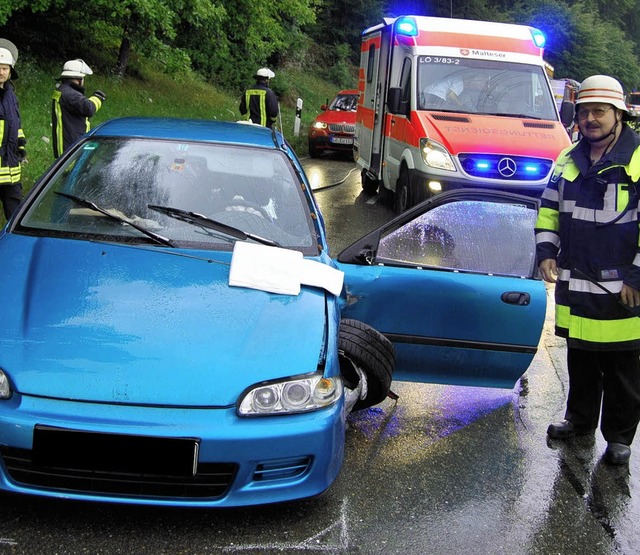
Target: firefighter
(70,109)
(12,138)
(587,244)
(259,103)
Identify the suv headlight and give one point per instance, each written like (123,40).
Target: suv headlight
(5,386)
(319,125)
(295,395)
(435,155)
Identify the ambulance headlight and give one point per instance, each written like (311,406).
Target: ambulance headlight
(436,156)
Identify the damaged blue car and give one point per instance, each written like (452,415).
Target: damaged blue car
(175,332)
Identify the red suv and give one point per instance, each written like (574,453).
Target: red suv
(333,129)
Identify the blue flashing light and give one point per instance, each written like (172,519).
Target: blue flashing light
(407,26)
(483,166)
(532,168)
(538,38)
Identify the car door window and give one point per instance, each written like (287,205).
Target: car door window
(470,236)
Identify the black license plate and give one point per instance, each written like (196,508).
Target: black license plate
(103,452)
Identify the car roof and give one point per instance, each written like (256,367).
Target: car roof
(349,91)
(226,132)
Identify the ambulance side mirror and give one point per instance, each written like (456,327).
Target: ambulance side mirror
(395,105)
(567,113)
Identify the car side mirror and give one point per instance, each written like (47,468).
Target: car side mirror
(324,107)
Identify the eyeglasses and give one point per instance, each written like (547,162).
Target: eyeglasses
(583,113)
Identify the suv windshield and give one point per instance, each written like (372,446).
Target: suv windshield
(345,103)
(484,86)
(253,190)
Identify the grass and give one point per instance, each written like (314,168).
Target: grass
(152,93)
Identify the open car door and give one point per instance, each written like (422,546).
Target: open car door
(452,283)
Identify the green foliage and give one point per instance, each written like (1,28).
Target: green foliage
(582,42)
(342,72)
(225,41)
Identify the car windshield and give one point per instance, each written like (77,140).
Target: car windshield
(484,87)
(253,190)
(345,103)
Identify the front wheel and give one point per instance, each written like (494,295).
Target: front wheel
(402,199)
(313,151)
(362,346)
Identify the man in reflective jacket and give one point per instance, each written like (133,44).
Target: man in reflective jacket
(70,109)
(12,138)
(587,244)
(259,103)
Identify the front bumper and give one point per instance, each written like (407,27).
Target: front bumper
(426,182)
(324,141)
(241,461)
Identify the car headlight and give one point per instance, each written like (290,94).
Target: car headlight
(295,395)
(5,386)
(436,156)
(319,125)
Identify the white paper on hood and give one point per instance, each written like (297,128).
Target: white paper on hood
(279,270)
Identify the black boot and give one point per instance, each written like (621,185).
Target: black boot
(566,430)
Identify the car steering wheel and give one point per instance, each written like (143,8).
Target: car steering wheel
(241,205)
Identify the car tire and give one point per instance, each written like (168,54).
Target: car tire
(402,199)
(365,347)
(313,151)
(369,185)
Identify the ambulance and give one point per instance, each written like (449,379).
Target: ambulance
(451,103)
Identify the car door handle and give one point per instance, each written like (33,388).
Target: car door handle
(516,297)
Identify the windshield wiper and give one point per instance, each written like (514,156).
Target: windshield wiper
(194,218)
(91,205)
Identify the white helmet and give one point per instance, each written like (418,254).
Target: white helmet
(9,55)
(75,69)
(6,57)
(602,88)
(265,73)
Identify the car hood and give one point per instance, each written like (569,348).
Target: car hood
(337,116)
(504,135)
(145,325)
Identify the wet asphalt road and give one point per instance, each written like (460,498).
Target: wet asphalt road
(442,470)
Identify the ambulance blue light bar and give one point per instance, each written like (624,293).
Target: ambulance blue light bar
(406,26)
(538,38)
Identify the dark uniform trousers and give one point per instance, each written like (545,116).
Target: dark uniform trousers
(608,377)
(10,196)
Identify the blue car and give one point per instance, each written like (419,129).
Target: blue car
(174,331)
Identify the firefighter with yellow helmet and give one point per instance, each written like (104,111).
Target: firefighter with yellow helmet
(70,108)
(12,138)
(587,244)
(259,103)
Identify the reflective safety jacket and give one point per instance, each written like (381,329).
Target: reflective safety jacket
(70,113)
(588,223)
(12,139)
(260,105)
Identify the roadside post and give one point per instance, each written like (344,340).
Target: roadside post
(296,124)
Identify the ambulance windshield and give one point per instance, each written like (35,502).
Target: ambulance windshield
(484,87)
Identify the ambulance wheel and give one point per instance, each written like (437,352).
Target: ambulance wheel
(369,185)
(370,351)
(402,199)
